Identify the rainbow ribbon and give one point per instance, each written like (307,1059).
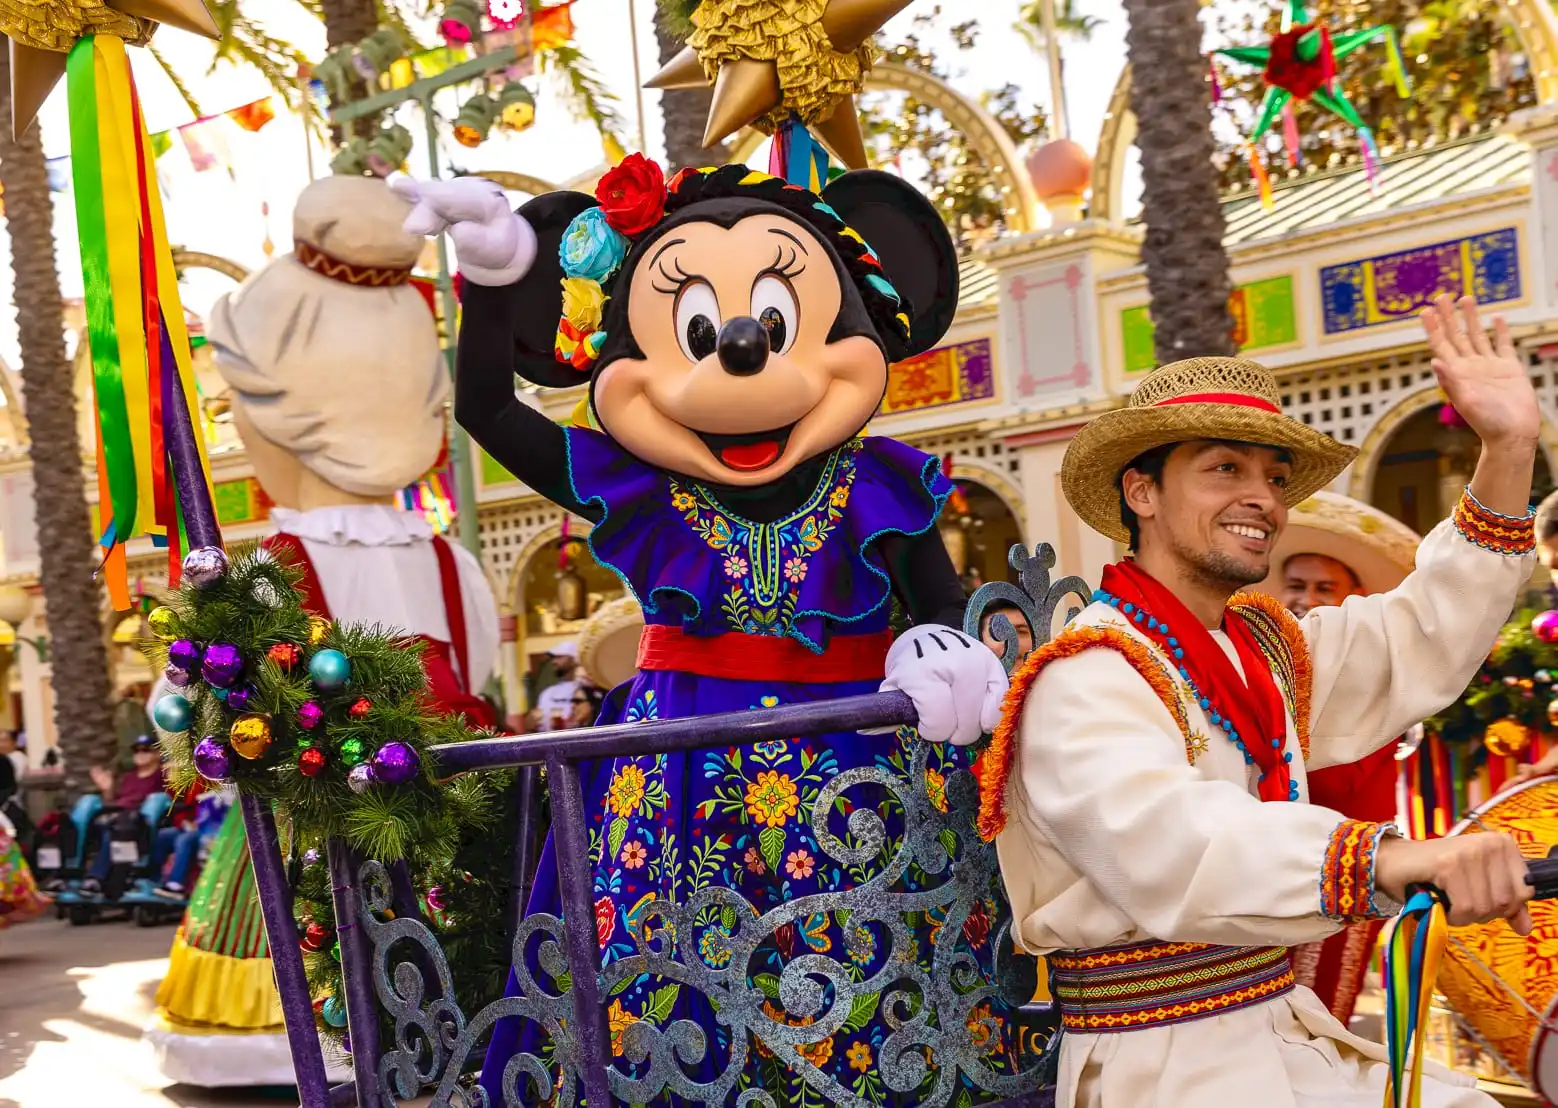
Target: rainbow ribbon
(1412,953)
(798,157)
(154,477)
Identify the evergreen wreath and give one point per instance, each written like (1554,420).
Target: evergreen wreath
(1513,695)
(331,724)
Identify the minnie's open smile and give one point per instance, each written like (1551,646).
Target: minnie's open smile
(748,453)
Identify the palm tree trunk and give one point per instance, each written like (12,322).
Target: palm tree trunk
(348,22)
(83,712)
(1187,268)
(686,112)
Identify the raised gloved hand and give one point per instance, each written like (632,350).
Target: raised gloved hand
(957,684)
(493,245)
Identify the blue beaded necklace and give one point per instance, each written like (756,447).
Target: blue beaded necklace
(1160,633)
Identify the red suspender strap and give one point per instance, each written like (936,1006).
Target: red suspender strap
(289,548)
(454,608)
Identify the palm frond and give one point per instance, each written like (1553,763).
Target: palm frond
(244,42)
(676,15)
(178,82)
(582,88)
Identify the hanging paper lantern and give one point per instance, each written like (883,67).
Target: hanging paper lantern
(475,120)
(516,107)
(376,53)
(461,22)
(1545,626)
(1505,737)
(250,736)
(329,669)
(505,13)
(173,714)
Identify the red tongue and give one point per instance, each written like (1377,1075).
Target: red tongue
(752,455)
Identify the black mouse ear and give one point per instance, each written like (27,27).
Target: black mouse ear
(537,301)
(908,237)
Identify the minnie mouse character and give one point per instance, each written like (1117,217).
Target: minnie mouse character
(736,333)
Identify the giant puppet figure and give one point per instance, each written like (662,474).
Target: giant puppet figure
(338,389)
(735,332)
(1335,547)
(1148,784)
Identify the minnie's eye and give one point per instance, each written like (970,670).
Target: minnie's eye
(773,305)
(697,320)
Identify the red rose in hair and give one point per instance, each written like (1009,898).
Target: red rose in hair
(632,195)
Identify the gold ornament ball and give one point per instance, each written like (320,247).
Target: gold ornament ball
(163,623)
(250,736)
(318,628)
(1507,736)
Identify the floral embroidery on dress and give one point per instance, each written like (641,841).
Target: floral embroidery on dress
(766,563)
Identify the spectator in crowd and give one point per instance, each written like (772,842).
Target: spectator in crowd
(1018,621)
(128,793)
(554,705)
(585,705)
(10,746)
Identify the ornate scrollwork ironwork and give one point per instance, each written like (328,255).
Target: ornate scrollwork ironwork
(1034,596)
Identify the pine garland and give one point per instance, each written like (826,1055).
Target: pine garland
(444,831)
(1516,683)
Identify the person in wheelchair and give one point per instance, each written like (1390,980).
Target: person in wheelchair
(124,801)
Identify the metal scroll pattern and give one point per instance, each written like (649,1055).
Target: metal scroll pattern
(937,1008)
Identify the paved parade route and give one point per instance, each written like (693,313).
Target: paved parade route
(73,1003)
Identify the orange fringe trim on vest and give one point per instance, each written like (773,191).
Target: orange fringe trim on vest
(994,765)
(1282,641)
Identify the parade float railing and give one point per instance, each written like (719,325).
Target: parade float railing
(392,965)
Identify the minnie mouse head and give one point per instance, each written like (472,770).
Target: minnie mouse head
(732,325)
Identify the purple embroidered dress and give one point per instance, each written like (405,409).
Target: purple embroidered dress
(678,828)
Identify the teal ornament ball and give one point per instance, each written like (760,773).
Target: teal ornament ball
(173,714)
(334,1012)
(329,669)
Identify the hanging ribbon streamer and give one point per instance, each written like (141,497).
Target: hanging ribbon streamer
(1290,136)
(798,157)
(1412,953)
(1217,88)
(152,466)
(1258,171)
(1398,65)
(1370,154)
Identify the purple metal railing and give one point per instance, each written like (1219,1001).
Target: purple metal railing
(561,752)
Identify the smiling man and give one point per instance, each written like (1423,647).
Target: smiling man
(1147,784)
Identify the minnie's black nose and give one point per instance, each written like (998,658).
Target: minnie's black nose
(743,346)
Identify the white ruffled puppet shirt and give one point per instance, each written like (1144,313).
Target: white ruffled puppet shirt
(1122,828)
(376,565)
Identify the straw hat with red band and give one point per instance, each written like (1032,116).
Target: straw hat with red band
(1188,401)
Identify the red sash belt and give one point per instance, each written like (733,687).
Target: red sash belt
(737,657)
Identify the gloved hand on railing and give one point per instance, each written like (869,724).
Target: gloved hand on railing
(957,685)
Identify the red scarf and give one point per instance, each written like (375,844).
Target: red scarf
(1253,705)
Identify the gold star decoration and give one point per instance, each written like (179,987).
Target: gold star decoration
(769,59)
(42,33)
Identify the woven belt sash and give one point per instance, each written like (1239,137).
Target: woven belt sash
(1124,988)
(734,656)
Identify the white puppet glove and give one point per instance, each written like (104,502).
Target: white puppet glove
(493,244)
(956,683)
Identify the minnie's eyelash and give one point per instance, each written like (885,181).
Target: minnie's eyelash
(677,279)
(786,267)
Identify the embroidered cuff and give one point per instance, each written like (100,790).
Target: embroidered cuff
(1347,877)
(1508,535)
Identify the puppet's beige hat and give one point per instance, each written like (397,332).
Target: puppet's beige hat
(1379,549)
(1198,398)
(608,648)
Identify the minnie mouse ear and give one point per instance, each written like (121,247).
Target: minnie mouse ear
(910,240)
(537,298)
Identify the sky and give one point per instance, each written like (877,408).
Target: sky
(232,214)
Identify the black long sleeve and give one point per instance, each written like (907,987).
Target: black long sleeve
(522,440)
(924,579)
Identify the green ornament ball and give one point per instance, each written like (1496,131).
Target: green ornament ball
(334,1011)
(173,714)
(353,752)
(330,670)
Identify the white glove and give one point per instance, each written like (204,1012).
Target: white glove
(493,244)
(957,684)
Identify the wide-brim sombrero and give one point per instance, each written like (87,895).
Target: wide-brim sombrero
(1189,401)
(608,647)
(1379,549)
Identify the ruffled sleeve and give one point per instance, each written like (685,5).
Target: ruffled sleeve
(818,572)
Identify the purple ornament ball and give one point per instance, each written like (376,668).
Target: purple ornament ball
(212,759)
(436,900)
(185,655)
(222,665)
(176,677)
(238,699)
(1545,626)
(310,715)
(395,763)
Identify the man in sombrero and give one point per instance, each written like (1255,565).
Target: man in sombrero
(1146,786)
(1333,548)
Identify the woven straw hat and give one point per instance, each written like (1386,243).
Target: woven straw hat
(608,648)
(1379,549)
(1187,401)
